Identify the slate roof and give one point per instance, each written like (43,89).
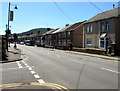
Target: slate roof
(105,15)
(68,28)
(49,32)
(62,29)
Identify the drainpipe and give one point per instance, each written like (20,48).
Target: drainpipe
(83,37)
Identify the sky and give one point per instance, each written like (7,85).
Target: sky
(30,15)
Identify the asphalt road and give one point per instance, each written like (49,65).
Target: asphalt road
(73,71)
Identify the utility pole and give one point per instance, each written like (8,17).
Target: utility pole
(10,18)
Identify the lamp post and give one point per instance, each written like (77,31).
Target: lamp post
(10,18)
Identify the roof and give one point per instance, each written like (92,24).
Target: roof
(49,32)
(68,28)
(105,15)
(103,35)
(62,29)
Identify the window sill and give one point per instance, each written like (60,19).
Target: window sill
(89,44)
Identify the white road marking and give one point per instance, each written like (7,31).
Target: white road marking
(27,66)
(32,72)
(12,68)
(19,65)
(30,68)
(58,56)
(25,59)
(41,81)
(36,76)
(110,70)
(77,61)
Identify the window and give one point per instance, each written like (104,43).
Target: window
(102,27)
(104,42)
(69,33)
(89,28)
(59,35)
(107,26)
(64,35)
(89,41)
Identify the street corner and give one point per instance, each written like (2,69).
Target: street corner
(33,87)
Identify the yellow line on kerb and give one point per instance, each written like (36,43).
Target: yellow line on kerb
(11,85)
(57,86)
(52,85)
(45,84)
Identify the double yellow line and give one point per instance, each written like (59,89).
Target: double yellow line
(54,86)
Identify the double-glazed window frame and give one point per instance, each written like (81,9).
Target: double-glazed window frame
(89,41)
(104,26)
(89,28)
(105,40)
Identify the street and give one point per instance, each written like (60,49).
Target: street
(74,71)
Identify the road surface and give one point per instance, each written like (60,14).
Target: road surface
(73,71)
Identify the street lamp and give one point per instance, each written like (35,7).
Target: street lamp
(9,15)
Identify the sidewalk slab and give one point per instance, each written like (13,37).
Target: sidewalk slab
(95,55)
(13,54)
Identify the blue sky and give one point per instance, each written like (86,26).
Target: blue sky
(31,15)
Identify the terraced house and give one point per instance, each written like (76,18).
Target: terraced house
(69,35)
(101,31)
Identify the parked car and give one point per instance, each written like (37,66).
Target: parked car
(29,42)
(22,43)
(37,43)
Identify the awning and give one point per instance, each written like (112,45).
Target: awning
(103,35)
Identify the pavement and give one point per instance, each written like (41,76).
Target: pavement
(13,54)
(109,57)
(117,58)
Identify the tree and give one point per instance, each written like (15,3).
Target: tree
(8,31)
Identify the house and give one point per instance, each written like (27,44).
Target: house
(48,38)
(101,31)
(77,35)
(62,37)
(68,36)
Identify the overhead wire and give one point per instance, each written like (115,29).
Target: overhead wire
(98,8)
(95,6)
(62,10)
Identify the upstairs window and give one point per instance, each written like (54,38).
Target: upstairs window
(89,28)
(107,27)
(102,27)
(69,33)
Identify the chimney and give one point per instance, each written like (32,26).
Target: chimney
(113,6)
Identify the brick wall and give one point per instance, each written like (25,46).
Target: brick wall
(78,37)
